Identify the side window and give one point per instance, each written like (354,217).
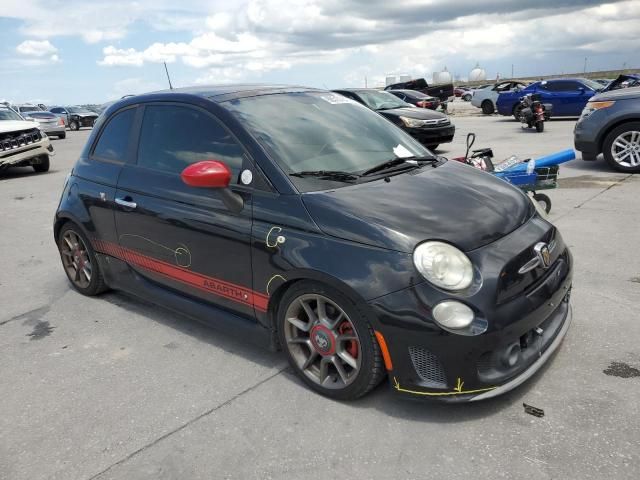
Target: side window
(113,141)
(564,86)
(173,137)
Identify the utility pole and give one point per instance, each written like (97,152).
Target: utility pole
(585,65)
(365,81)
(512,71)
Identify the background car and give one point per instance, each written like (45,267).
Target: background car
(428,127)
(567,95)
(75,117)
(416,98)
(50,123)
(486,98)
(444,91)
(460,91)
(610,124)
(22,143)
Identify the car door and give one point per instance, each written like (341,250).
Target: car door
(568,97)
(181,237)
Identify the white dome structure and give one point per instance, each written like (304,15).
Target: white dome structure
(477,74)
(442,77)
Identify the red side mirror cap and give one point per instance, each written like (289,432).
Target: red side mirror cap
(207,174)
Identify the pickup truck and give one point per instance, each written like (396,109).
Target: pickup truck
(444,92)
(22,143)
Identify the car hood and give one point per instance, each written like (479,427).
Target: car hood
(620,94)
(453,202)
(419,113)
(614,85)
(15,125)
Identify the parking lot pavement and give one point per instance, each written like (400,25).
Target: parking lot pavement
(116,388)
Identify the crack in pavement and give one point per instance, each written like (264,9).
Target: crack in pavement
(619,182)
(34,314)
(187,424)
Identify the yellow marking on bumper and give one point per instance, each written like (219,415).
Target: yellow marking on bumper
(397,386)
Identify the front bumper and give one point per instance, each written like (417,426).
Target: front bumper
(430,363)
(86,121)
(25,154)
(585,137)
(433,136)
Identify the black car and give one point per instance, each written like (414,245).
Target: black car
(302,220)
(428,127)
(416,98)
(75,117)
(444,91)
(610,124)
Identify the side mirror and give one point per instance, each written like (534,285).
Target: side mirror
(213,174)
(207,174)
(581,89)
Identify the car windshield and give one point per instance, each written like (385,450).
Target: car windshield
(376,100)
(77,110)
(322,131)
(592,84)
(29,109)
(8,114)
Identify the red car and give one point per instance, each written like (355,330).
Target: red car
(460,91)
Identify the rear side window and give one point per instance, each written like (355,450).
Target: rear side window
(173,137)
(563,86)
(114,139)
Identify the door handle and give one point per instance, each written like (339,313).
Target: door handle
(126,203)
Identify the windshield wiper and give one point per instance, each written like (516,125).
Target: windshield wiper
(328,175)
(412,162)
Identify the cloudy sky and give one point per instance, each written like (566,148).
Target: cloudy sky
(77,51)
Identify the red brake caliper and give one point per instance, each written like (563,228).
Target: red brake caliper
(352,345)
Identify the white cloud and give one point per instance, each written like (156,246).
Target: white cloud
(36,48)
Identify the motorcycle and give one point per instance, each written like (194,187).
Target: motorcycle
(533,112)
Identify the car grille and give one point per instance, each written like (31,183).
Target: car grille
(13,140)
(436,122)
(513,283)
(428,367)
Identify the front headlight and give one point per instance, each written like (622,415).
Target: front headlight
(412,122)
(593,106)
(443,265)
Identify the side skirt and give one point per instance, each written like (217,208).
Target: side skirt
(119,276)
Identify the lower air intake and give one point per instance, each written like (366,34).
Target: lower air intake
(428,367)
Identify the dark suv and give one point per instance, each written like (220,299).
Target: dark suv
(302,220)
(610,124)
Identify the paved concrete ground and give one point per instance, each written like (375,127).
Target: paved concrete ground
(114,388)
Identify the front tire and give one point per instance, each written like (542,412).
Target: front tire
(487,107)
(62,136)
(79,261)
(543,200)
(621,148)
(517,110)
(73,125)
(43,166)
(539,127)
(328,341)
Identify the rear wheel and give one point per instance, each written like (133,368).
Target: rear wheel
(434,147)
(79,261)
(466,98)
(543,200)
(539,126)
(487,107)
(517,110)
(328,341)
(43,164)
(621,148)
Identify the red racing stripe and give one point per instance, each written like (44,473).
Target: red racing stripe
(205,283)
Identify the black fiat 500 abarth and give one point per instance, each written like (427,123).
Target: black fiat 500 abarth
(298,218)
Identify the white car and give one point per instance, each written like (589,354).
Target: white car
(22,143)
(486,98)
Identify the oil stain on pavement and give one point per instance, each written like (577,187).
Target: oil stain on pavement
(40,330)
(622,370)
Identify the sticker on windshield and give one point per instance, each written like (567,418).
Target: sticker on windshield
(335,99)
(401,151)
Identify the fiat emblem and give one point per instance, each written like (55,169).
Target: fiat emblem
(543,254)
